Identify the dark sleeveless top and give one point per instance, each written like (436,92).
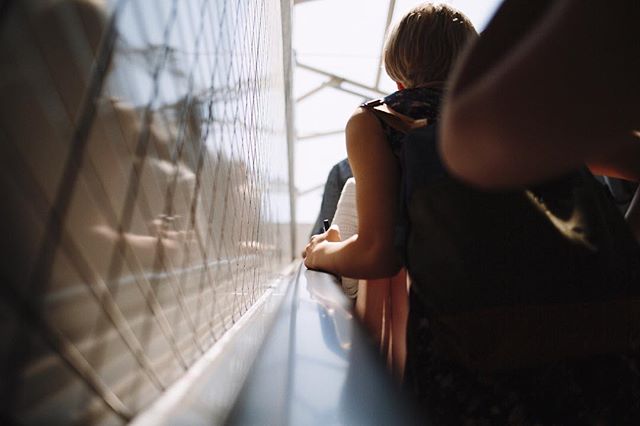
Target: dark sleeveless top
(582,391)
(416,103)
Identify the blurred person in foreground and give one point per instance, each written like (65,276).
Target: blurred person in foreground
(548,87)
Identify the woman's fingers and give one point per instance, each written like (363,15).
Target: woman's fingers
(333,234)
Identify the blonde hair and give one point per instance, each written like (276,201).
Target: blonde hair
(424,45)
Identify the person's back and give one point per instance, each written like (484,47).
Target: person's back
(338,175)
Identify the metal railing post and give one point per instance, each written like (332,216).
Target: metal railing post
(286,6)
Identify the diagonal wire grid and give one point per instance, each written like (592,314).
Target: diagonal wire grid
(144,154)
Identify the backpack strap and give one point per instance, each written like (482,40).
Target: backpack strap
(394,119)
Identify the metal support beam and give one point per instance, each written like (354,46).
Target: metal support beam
(332,82)
(374,90)
(286,7)
(392,6)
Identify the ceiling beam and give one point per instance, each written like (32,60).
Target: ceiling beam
(392,6)
(341,80)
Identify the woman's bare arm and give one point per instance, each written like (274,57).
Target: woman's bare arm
(370,253)
(565,94)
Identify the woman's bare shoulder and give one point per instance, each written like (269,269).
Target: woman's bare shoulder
(363,119)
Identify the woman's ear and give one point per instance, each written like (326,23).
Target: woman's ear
(399,85)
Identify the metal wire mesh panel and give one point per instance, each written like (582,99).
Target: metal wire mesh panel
(144,175)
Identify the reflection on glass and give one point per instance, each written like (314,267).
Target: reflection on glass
(336,319)
(145,172)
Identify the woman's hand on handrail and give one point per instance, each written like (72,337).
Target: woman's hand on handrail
(317,243)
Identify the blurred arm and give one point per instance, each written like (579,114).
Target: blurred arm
(541,103)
